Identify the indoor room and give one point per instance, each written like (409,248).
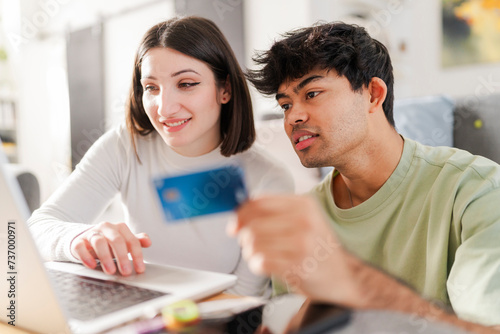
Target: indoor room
(66,70)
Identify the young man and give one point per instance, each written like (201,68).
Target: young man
(397,225)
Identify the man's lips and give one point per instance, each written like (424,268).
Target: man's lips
(303,139)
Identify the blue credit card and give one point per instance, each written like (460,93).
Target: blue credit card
(201,193)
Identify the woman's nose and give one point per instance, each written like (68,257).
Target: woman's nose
(168,105)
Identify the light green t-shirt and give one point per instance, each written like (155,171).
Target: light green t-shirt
(435,224)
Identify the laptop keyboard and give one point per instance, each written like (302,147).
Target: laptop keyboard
(86,298)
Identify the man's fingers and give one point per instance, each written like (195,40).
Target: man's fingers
(232,228)
(268,265)
(275,207)
(254,242)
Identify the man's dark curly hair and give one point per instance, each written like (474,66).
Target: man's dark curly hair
(346,48)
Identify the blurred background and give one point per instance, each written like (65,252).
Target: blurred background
(66,65)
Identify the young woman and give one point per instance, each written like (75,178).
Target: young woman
(189,109)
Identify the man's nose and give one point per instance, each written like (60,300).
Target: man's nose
(296,114)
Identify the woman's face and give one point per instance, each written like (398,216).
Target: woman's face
(183,100)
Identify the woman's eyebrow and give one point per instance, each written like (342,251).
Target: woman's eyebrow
(184,71)
(148,77)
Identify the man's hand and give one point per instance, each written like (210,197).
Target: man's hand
(289,237)
(106,241)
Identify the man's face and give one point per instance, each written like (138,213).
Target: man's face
(325,119)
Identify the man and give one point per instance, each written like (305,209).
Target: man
(397,225)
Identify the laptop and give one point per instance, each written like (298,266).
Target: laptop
(31,297)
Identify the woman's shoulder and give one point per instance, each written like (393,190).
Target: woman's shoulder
(120,135)
(115,134)
(262,168)
(259,156)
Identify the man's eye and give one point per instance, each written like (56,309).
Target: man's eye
(188,84)
(310,95)
(285,106)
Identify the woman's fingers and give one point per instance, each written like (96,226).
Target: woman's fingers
(102,249)
(108,242)
(81,249)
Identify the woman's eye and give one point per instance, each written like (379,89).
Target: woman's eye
(310,95)
(149,88)
(188,84)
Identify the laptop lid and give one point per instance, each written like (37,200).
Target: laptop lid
(26,292)
(30,298)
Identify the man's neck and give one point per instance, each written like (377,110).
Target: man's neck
(362,178)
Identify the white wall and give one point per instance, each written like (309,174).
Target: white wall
(122,35)
(37,43)
(427,75)
(39,58)
(410,28)
(264,22)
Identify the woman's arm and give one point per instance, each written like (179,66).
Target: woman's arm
(68,213)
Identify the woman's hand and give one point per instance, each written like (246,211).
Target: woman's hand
(106,241)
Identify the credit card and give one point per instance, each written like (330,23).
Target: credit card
(201,193)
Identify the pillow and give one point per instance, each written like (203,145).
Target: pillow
(428,120)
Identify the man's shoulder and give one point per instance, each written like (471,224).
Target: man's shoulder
(457,164)
(456,158)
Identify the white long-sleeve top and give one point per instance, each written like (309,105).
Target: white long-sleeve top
(110,167)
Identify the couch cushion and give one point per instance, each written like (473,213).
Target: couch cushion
(428,120)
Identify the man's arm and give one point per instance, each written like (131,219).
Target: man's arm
(289,237)
(376,290)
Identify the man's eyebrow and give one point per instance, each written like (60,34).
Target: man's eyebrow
(306,81)
(301,85)
(280,96)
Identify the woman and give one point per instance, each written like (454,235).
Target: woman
(189,109)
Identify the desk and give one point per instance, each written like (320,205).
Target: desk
(7,329)
(365,322)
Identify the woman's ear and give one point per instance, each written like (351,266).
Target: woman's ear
(378,92)
(225,92)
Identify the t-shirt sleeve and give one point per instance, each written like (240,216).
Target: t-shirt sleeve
(474,281)
(81,199)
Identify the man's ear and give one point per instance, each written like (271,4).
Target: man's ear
(378,92)
(225,92)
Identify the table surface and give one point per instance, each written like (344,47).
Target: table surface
(8,329)
(360,322)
